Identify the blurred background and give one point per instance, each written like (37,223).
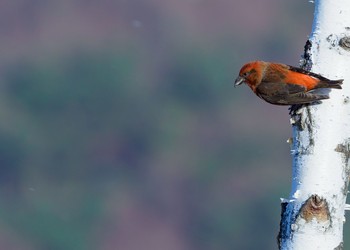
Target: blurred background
(120,127)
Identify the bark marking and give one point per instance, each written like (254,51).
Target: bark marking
(315,208)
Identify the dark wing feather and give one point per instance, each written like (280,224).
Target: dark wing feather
(303,98)
(279,88)
(286,94)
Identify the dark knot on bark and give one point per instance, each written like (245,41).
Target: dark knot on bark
(315,208)
(345,43)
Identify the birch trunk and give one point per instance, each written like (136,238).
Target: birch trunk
(313,216)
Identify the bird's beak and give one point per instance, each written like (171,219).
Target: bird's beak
(239,81)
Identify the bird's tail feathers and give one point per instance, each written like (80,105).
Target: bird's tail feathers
(334,84)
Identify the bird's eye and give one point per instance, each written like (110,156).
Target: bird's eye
(245,74)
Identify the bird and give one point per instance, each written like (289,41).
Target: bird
(282,84)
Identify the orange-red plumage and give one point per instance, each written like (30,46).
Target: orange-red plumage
(282,84)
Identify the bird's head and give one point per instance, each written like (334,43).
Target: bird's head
(250,74)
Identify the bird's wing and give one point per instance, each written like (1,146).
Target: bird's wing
(303,97)
(285,93)
(279,88)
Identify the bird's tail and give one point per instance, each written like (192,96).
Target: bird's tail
(334,84)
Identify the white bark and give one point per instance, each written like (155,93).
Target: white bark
(313,216)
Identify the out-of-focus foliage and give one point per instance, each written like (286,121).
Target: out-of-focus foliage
(120,127)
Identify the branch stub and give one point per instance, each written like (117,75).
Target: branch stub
(315,208)
(345,43)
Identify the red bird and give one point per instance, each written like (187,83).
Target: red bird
(282,84)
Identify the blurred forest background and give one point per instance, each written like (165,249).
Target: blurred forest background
(120,127)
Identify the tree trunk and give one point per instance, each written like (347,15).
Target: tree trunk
(313,216)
